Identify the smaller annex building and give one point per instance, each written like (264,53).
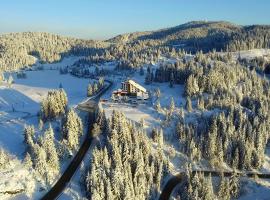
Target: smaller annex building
(130,88)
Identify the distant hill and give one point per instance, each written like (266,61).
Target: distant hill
(188,30)
(202,35)
(21,49)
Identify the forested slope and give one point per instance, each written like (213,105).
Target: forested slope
(132,50)
(17,49)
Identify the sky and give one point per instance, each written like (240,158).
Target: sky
(103,19)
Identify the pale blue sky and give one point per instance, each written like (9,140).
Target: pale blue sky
(99,19)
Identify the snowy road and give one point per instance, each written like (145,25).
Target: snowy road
(177,179)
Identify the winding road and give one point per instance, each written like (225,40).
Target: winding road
(177,179)
(89,106)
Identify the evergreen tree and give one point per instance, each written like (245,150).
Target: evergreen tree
(72,129)
(28,161)
(188,105)
(234,185)
(96,130)
(39,160)
(223,190)
(158,93)
(89,90)
(40,124)
(10,80)
(158,106)
(172,106)
(191,86)
(29,132)
(52,156)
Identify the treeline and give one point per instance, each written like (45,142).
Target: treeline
(17,49)
(21,75)
(250,37)
(260,64)
(54,105)
(125,166)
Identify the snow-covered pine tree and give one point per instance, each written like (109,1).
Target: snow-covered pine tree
(158,106)
(39,160)
(10,80)
(188,105)
(52,155)
(28,161)
(223,189)
(72,129)
(89,90)
(172,106)
(29,132)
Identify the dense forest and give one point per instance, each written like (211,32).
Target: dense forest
(125,165)
(18,50)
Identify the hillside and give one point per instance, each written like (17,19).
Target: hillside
(188,30)
(22,49)
(18,50)
(202,35)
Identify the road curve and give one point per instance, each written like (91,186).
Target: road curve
(60,185)
(177,179)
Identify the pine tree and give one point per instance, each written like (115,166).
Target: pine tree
(158,106)
(89,90)
(40,124)
(28,161)
(10,80)
(208,188)
(96,130)
(188,105)
(49,147)
(191,86)
(95,87)
(158,93)
(181,114)
(200,103)
(29,132)
(234,185)
(39,160)
(72,129)
(142,122)
(223,190)
(172,106)
(2,78)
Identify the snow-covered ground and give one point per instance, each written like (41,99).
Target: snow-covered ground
(250,54)
(19,105)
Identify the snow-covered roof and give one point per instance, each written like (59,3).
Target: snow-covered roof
(136,85)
